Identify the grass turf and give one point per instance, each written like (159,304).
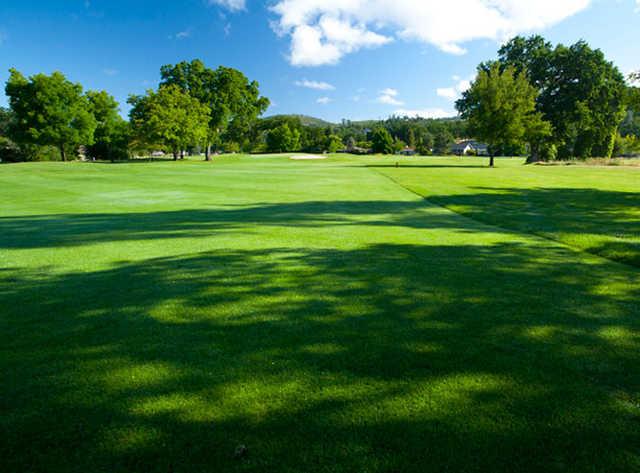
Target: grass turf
(155,316)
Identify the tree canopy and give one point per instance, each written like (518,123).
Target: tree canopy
(170,117)
(111,136)
(580,93)
(283,138)
(234,101)
(49,110)
(500,108)
(382,141)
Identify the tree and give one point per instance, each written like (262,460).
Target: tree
(170,117)
(282,139)
(398,145)
(442,141)
(234,101)
(411,138)
(9,151)
(111,138)
(5,119)
(237,104)
(333,143)
(49,110)
(500,109)
(580,93)
(633,98)
(382,141)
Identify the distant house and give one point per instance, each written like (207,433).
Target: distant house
(467,147)
(407,151)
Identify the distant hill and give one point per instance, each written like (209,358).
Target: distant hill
(305,119)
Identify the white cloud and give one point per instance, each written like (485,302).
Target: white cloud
(323,31)
(233,5)
(447,92)
(463,85)
(315,85)
(328,40)
(389,97)
(454,92)
(388,100)
(324,100)
(181,35)
(425,113)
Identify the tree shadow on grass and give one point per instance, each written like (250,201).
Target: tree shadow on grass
(606,223)
(41,231)
(602,222)
(385,358)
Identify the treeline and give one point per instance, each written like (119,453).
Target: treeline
(194,109)
(294,133)
(550,102)
(562,102)
(51,118)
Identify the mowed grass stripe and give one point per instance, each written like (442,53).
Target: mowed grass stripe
(594,209)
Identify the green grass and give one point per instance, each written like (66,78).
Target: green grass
(154,316)
(595,209)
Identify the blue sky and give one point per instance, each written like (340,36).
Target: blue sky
(332,59)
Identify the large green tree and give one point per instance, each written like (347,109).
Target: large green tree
(5,119)
(111,137)
(234,101)
(333,144)
(49,110)
(8,149)
(169,117)
(633,92)
(382,141)
(442,141)
(579,92)
(283,138)
(500,108)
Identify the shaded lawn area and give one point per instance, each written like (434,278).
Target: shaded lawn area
(317,313)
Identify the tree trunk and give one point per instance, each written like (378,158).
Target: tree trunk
(207,152)
(491,161)
(175,155)
(63,155)
(181,154)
